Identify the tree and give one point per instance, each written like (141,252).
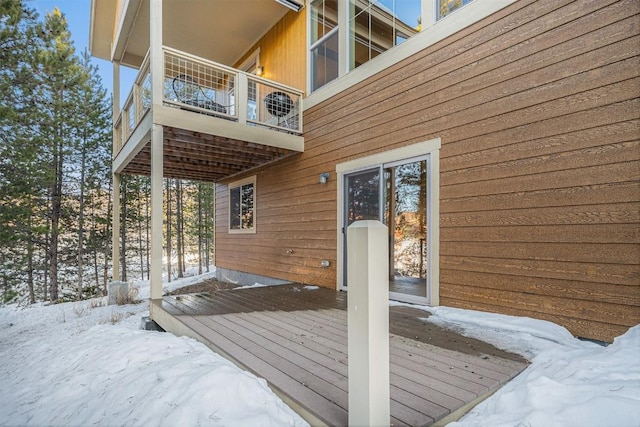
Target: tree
(60,79)
(21,168)
(91,147)
(54,153)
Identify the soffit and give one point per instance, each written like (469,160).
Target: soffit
(220,30)
(101,22)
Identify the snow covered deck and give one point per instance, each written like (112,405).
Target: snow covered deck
(295,337)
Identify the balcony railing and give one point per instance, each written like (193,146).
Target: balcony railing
(135,107)
(208,88)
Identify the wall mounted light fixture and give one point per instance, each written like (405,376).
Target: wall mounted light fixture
(259,70)
(324,177)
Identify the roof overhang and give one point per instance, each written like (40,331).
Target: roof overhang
(220,30)
(103,14)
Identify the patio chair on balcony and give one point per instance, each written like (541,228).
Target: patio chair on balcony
(188,91)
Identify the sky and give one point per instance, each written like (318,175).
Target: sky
(78,14)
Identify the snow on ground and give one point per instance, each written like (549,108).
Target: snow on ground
(90,364)
(569,382)
(84,364)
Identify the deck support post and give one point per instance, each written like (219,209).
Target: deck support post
(115,213)
(156,211)
(368,323)
(156,66)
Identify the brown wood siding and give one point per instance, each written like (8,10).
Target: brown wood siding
(538,110)
(283,51)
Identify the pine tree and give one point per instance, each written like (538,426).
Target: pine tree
(21,171)
(54,153)
(92,146)
(60,80)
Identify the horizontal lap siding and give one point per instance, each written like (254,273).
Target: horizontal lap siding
(538,109)
(294,234)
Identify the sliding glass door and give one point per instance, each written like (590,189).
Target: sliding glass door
(395,194)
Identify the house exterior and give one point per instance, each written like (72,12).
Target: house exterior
(498,140)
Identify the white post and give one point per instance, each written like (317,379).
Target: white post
(156,67)
(156,211)
(368,324)
(115,213)
(242,97)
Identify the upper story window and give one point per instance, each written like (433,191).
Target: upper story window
(242,208)
(445,7)
(378,25)
(345,34)
(324,42)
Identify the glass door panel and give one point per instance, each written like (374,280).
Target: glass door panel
(362,202)
(405,215)
(363,196)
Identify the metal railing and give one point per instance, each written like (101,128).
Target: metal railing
(206,87)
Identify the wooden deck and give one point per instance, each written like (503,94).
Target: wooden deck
(296,338)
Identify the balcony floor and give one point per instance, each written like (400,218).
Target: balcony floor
(202,157)
(296,338)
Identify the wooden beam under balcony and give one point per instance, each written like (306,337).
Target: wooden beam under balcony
(204,157)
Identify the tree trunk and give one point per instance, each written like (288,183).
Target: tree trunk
(179,229)
(107,248)
(123,229)
(93,238)
(32,296)
(45,281)
(139,214)
(169,230)
(56,212)
(199,228)
(207,240)
(147,219)
(81,224)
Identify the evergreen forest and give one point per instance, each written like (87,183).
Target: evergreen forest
(55,175)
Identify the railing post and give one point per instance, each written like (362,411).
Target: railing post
(242,97)
(368,324)
(136,104)
(117,133)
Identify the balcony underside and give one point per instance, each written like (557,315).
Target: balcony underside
(202,157)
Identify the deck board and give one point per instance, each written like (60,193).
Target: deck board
(296,339)
(311,399)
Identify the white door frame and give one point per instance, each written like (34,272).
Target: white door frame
(430,148)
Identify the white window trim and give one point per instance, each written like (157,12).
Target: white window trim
(236,184)
(430,148)
(253,58)
(312,45)
(431,33)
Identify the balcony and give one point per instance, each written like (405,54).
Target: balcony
(217,121)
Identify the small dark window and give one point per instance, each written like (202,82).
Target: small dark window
(242,206)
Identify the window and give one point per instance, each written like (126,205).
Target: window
(445,7)
(324,42)
(345,34)
(376,26)
(242,209)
